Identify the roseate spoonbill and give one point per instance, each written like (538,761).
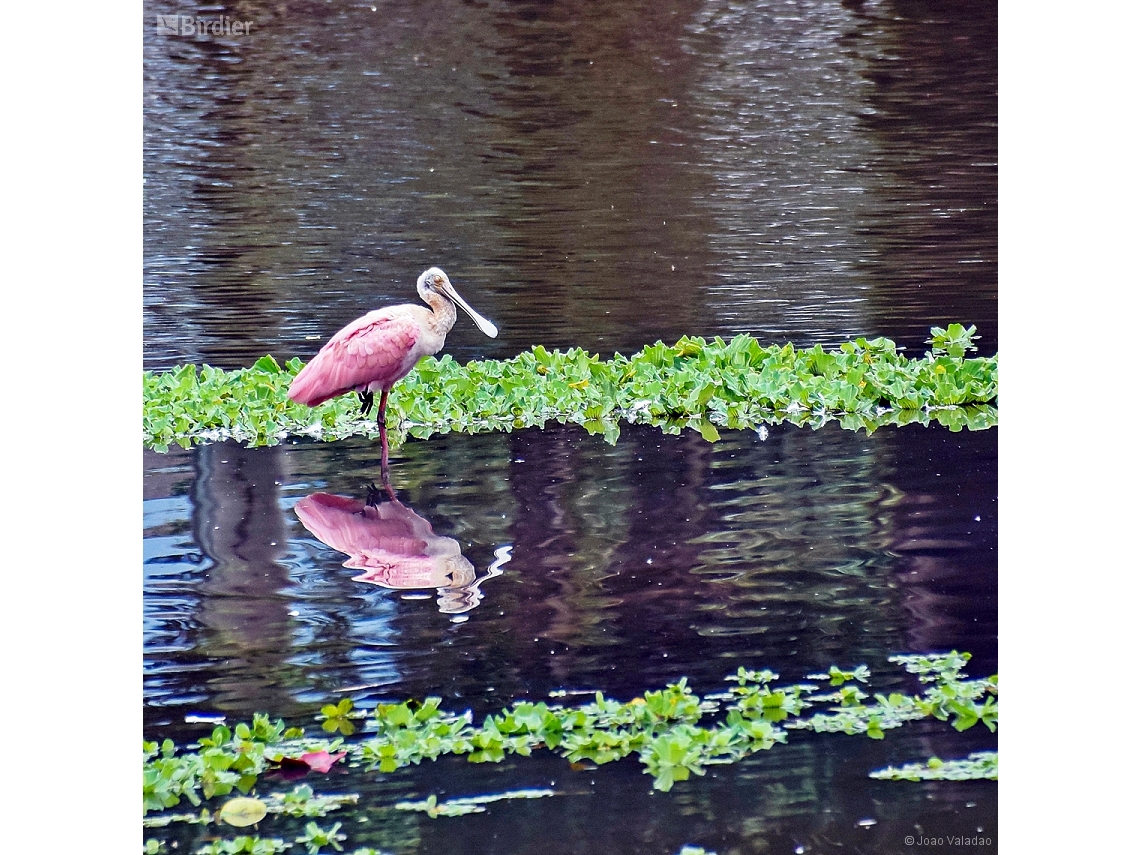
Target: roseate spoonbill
(373,352)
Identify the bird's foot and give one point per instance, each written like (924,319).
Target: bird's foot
(365,402)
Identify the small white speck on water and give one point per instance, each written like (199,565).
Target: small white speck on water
(196,718)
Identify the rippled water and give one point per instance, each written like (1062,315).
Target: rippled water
(629,565)
(595,175)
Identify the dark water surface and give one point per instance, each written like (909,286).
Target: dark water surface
(630,566)
(598,175)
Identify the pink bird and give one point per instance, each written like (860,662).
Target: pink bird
(374,352)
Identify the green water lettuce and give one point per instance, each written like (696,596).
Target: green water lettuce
(696,384)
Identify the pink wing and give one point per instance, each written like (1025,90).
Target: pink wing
(378,348)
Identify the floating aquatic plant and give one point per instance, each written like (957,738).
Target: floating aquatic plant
(980,764)
(469,804)
(695,384)
(245,845)
(302,801)
(242,811)
(224,761)
(673,732)
(316,838)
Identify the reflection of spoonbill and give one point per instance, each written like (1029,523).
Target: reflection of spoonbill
(373,352)
(394,547)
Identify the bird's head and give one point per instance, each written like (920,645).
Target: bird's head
(434,281)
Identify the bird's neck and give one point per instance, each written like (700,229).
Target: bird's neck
(442,313)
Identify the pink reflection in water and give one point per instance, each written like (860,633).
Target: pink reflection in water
(395,547)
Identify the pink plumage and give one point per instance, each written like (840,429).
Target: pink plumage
(374,352)
(369,355)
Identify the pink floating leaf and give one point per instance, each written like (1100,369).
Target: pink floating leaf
(321,761)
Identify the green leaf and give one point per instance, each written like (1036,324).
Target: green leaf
(267,365)
(709,431)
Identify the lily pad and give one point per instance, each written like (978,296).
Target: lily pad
(241,812)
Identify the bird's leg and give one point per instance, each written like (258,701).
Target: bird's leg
(376,496)
(383,440)
(365,402)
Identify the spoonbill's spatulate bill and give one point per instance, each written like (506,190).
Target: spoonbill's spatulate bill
(373,352)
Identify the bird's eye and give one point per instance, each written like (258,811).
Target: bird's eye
(437,280)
